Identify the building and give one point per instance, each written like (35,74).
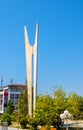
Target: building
(11,92)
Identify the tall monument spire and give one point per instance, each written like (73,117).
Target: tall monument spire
(31,51)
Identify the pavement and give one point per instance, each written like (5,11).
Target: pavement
(9,128)
(71,123)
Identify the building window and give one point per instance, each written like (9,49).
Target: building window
(5,90)
(12,90)
(11,96)
(16,96)
(17,90)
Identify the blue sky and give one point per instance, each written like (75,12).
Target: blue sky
(60,59)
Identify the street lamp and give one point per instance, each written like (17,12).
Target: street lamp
(66,115)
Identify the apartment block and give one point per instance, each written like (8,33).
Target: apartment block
(11,92)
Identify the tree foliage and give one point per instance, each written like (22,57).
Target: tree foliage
(59,100)
(22,104)
(33,123)
(80,106)
(23,109)
(45,110)
(48,108)
(72,104)
(6,118)
(10,107)
(23,122)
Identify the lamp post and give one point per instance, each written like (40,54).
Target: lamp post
(66,115)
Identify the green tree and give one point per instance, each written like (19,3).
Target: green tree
(10,107)
(23,109)
(59,100)
(33,123)
(45,110)
(80,102)
(72,104)
(22,104)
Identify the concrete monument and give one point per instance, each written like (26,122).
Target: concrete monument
(31,70)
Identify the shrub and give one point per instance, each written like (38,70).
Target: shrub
(14,116)
(23,122)
(33,123)
(6,118)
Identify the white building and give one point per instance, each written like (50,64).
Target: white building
(11,92)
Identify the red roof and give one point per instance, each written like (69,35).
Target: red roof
(16,85)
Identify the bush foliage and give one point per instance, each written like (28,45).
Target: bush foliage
(6,118)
